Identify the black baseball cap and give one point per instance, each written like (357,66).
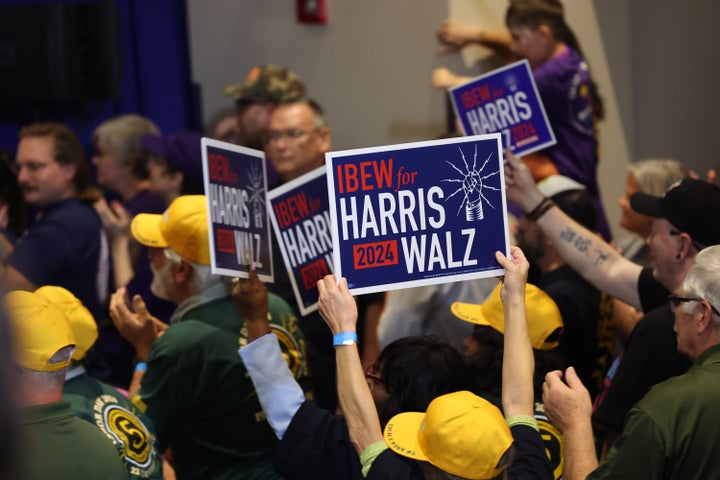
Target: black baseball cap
(692,206)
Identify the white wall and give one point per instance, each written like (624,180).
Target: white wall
(675,68)
(370,68)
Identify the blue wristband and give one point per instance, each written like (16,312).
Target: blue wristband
(140,367)
(344,338)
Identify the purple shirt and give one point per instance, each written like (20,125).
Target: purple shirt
(564,85)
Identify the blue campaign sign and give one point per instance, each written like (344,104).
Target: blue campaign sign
(418,213)
(238,227)
(300,214)
(507,101)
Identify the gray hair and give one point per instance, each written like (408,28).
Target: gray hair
(122,137)
(703,281)
(202,276)
(318,113)
(51,380)
(655,175)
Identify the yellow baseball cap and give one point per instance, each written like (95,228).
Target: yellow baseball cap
(40,330)
(81,321)
(543,316)
(183,227)
(461,433)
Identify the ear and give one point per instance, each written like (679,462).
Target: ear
(705,322)
(68,171)
(182,272)
(325,138)
(684,246)
(544,31)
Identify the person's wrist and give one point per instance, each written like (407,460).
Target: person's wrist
(532,202)
(257,330)
(345,338)
(480,35)
(257,317)
(141,352)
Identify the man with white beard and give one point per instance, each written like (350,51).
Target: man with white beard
(189,379)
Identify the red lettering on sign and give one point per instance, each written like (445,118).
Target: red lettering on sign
(475,96)
(291,210)
(369,175)
(225,240)
(376,254)
(313,272)
(219,168)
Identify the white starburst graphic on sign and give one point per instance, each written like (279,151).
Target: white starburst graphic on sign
(473,184)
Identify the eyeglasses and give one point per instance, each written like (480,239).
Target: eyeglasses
(371,374)
(676,300)
(292,134)
(697,245)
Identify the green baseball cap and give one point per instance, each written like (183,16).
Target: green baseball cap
(268,83)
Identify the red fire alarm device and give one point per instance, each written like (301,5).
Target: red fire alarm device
(311,11)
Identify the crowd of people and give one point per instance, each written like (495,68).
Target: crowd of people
(124,356)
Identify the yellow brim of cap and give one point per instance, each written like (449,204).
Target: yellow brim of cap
(469,312)
(401,435)
(145,228)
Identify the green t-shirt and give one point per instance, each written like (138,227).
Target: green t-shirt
(117,417)
(56,445)
(201,399)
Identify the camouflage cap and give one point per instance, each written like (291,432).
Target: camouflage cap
(268,83)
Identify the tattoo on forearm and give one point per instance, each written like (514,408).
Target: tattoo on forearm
(568,234)
(583,245)
(572,238)
(601,257)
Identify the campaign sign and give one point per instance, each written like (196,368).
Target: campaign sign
(505,100)
(418,213)
(301,219)
(238,226)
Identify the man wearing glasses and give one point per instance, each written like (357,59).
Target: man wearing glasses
(295,143)
(681,227)
(297,138)
(671,432)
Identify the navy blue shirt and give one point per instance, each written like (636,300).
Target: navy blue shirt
(63,248)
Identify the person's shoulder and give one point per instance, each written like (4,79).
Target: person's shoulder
(189,327)
(657,322)
(71,214)
(71,207)
(96,393)
(184,337)
(560,72)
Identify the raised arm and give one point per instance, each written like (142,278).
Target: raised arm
(138,327)
(518,360)
(278,391)
(589,255)
(338,309)
(116,224)
(455,34)
(568,407)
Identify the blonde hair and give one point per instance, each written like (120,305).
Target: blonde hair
(655,175)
